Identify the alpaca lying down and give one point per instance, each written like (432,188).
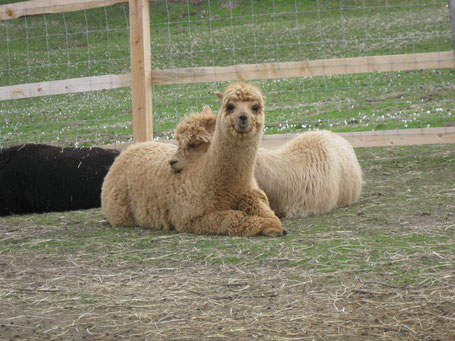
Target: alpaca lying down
(217,194)
(36,178)
(314,173)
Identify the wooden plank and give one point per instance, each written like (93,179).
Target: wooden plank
(34,7)
(338,66)
(124,145)
(65,86)
(416,61)
(383,138)
(141,70)
(402,137)
(452,19)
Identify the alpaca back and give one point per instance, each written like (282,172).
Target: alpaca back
(137,187)
(44,178)
(351,179)
(142,190)
(300,178)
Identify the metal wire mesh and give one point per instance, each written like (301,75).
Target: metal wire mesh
(201,33)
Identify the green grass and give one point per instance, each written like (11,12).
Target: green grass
(403,208)
(210,33)
(382,268)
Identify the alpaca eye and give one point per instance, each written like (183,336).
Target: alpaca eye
(230,107)
(255,108)
(193,145)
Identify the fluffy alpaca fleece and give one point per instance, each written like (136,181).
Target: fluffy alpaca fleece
(36,178)
(217,194)
(314,173)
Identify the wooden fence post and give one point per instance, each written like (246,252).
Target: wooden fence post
(141,72)
(452,20)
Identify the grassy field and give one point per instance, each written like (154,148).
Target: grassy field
(383,268)
(219,33)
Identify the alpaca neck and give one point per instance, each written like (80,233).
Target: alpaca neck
(233,160)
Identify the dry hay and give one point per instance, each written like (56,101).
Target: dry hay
(76,296)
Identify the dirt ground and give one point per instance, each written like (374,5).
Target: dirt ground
(381,269)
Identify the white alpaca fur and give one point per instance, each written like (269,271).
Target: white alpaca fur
(314,173)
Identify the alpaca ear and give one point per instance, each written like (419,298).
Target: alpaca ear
(209,123)
(219,95)
(207,110)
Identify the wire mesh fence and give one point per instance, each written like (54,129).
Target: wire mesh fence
(59,46)
(218,33)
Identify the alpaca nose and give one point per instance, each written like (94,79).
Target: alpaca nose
(174,166)
(244,121)
(243,118)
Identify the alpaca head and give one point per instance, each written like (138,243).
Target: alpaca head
(193,135)
(242,111)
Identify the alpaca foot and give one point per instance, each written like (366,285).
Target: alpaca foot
(274,230)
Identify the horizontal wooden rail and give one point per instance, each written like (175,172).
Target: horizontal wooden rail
(320,67)
(382,138)
(401,137)
(416,61)
(65,86)
(34,7)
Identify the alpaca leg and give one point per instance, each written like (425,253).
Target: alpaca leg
(235,223)
(255,202)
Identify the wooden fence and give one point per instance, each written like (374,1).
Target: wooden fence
(142,77)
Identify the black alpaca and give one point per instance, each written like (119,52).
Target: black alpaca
(37,178)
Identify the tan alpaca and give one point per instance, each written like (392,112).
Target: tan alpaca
(217,194)
(314,173)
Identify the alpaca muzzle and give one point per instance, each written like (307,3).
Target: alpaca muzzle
(243,123)
(175,166)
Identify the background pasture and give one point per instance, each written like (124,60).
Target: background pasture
(195,33)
